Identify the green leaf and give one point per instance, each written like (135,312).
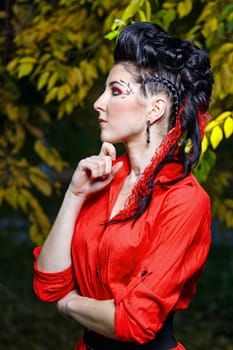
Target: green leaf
(24,69)
(42,81)
(112,35)
(131,9)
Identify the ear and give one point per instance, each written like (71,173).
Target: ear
(158,107)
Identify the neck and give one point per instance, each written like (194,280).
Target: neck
(140,157)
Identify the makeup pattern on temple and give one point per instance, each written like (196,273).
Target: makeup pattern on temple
(128,89)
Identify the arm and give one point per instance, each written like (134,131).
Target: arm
(55,253)
(97,315)
(91,175)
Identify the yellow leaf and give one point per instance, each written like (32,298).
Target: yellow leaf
(19,139)
(184,8)
(23,202)
(12,112)
(216,136)
(142,15)
(24,69)
(148,10)
(41,183)
(102,65)
(226,76)
(12,65)
(61,93)
(28,59)
(52,80)
(211,125)
(207,11)
(223,116)
(210,27)
(11,196)
(228,127)
(69,106)
(204,144)
(225,48)
(168,5)
(52,94)
(75,77)
(45,58)
(43,78)
(59,55)
(131,9)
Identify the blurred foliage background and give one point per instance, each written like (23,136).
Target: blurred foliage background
(54,58)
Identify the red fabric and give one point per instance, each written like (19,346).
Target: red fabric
(149,268)
(52,286)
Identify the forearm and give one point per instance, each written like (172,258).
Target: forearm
(91,175)
(96,315)
(56,251)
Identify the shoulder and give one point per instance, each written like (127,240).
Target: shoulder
(187,201)
(187,189)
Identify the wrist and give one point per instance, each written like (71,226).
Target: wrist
(75,195)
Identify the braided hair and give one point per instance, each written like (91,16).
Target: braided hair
(181,70)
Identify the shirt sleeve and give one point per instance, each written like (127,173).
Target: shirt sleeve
(166,278)
(51,287)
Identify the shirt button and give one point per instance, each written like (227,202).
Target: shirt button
(143,273)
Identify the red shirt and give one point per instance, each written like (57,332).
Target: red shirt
(149,268)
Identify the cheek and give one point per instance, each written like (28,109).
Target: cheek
(126,106)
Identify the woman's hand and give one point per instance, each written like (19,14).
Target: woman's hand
(94,173)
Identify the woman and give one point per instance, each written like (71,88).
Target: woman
(133,233)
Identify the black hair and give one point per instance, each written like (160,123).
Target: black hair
(163,62)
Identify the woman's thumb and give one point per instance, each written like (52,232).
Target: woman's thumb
(116,167)
(107,149)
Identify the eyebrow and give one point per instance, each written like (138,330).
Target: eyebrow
(123,84)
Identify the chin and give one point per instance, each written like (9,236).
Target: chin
(109,139)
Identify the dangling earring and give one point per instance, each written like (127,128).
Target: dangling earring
(148,131)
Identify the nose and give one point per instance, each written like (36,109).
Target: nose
(100,104)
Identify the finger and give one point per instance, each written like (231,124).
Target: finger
(108,165)
(108,178)
(108,149)
(94,166)
(100,166)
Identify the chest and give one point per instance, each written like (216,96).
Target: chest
(105,255)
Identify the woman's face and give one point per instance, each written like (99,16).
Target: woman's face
(122,109)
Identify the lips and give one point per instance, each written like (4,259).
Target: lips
(102,121)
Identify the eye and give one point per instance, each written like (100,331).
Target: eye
(116,91)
